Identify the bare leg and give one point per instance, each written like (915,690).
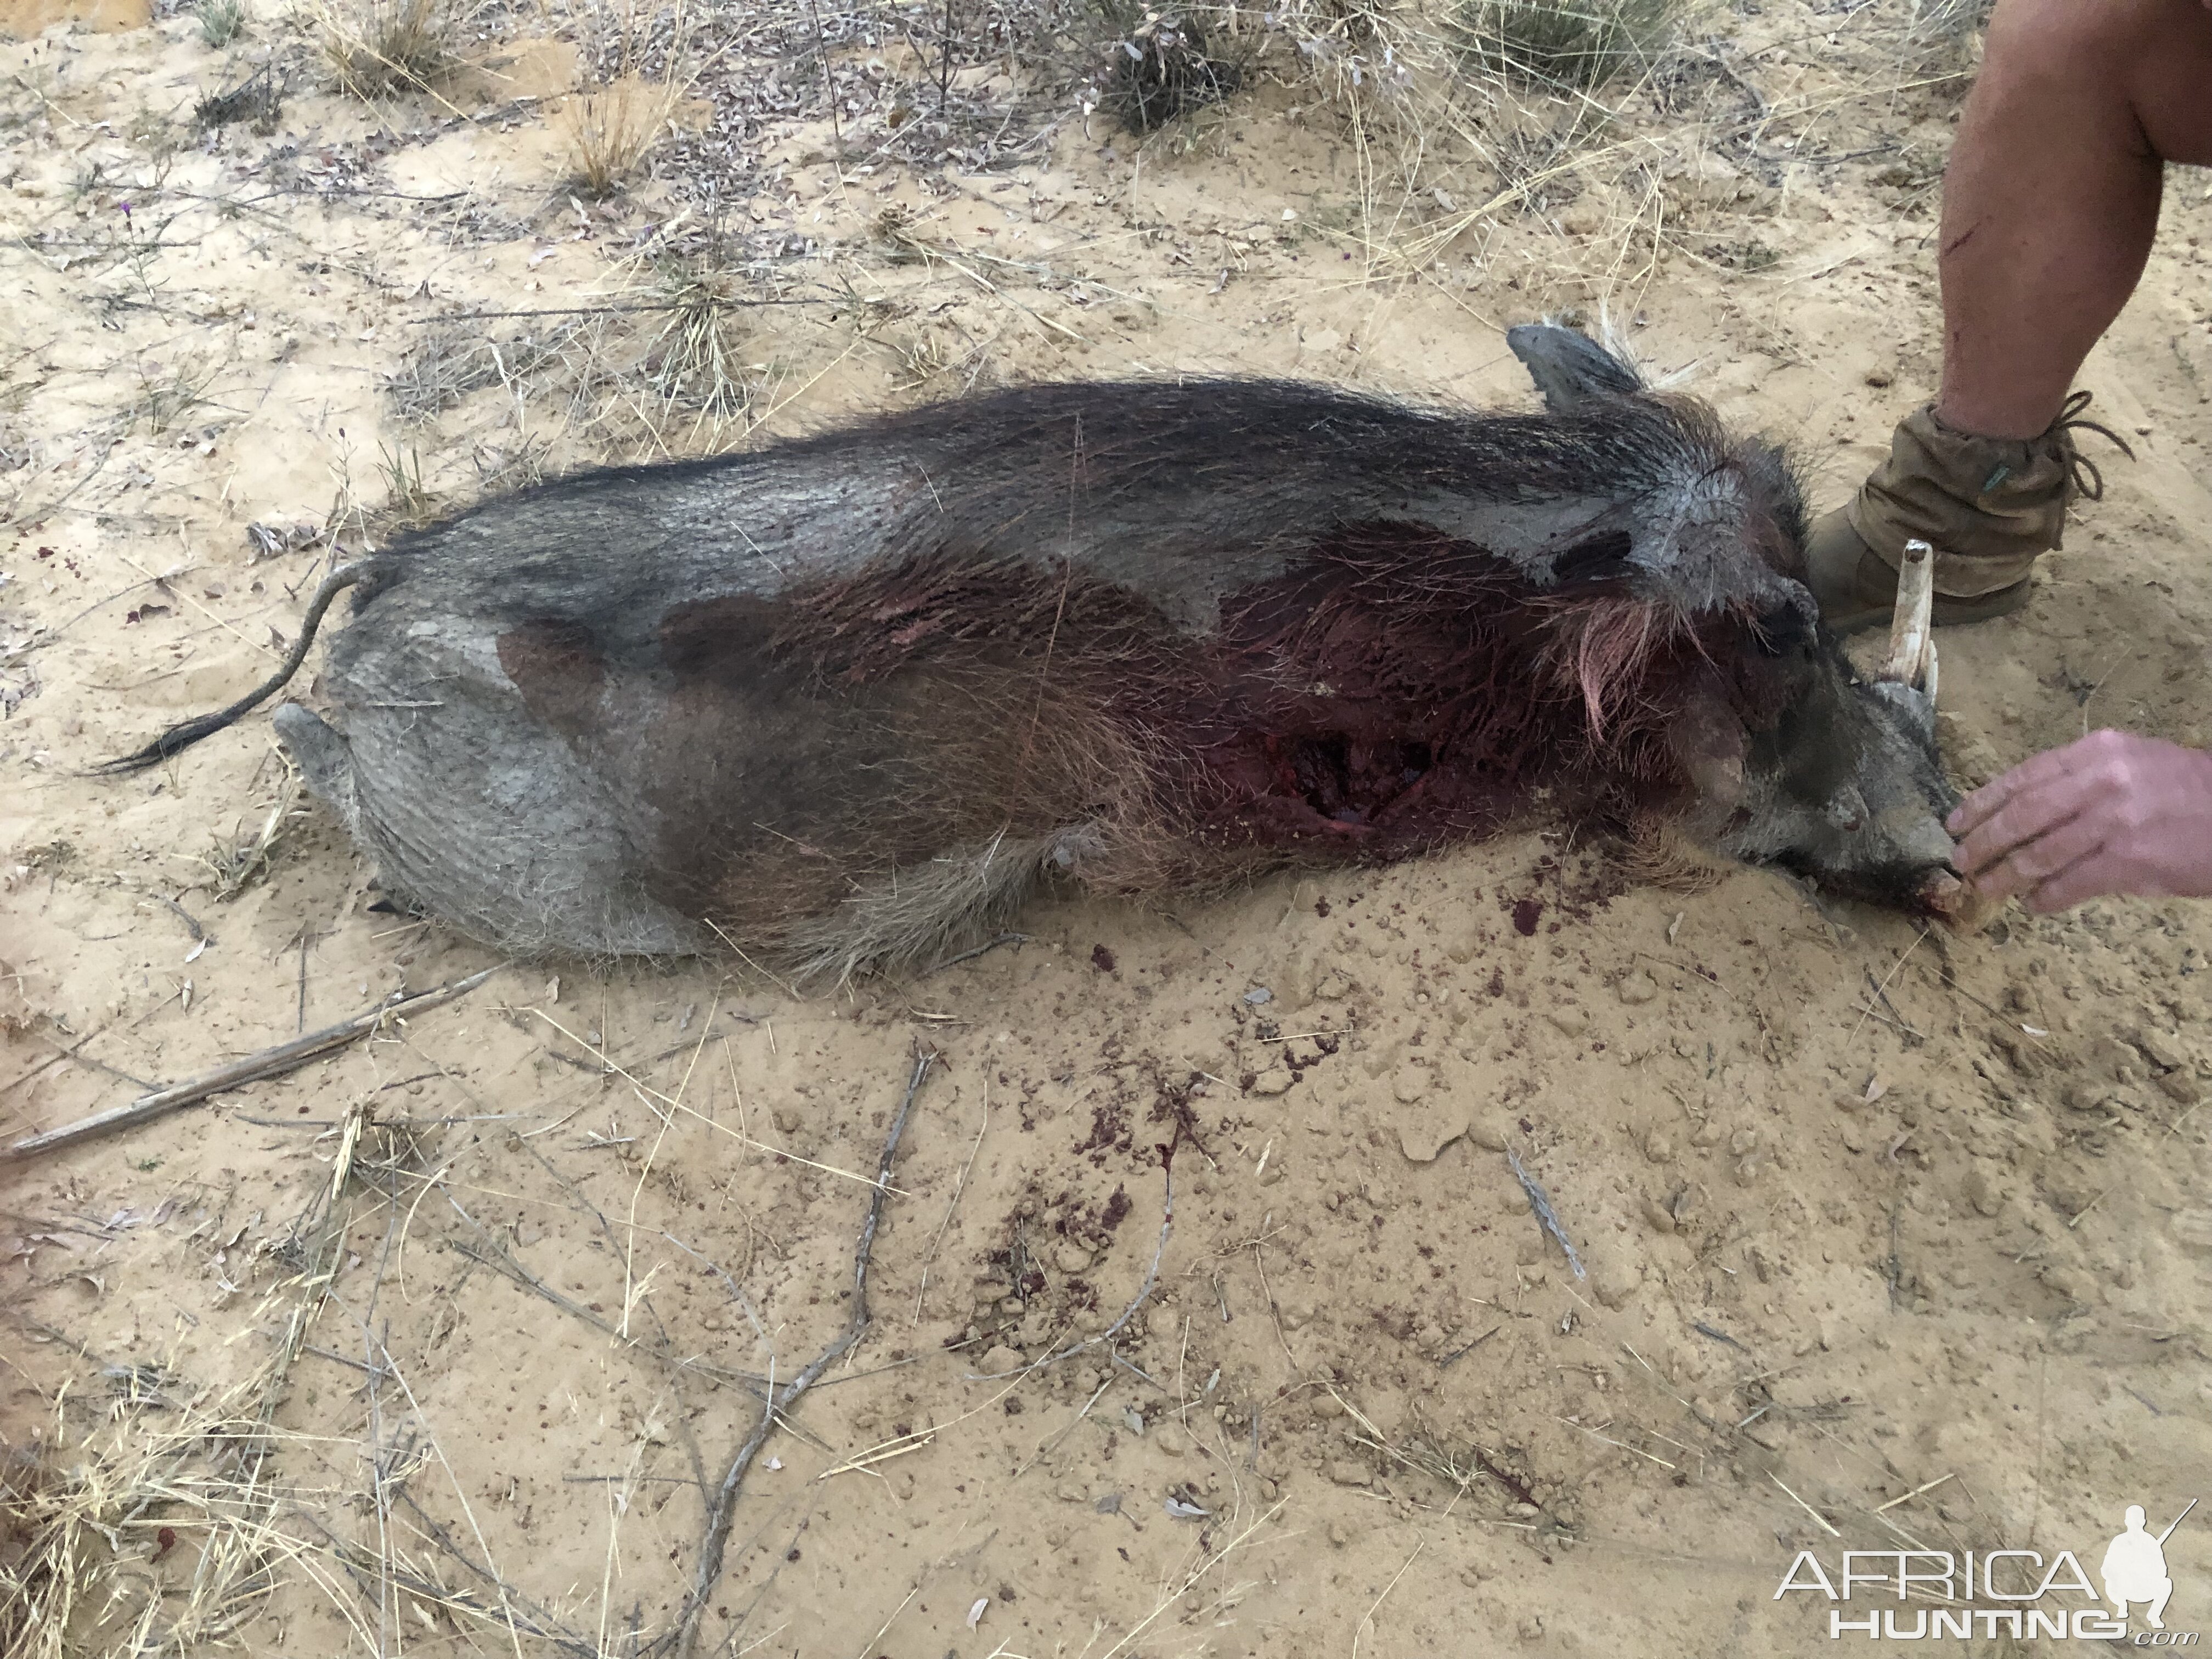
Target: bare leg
(2051,199)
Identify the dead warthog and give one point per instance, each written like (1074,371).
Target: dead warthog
(839,701)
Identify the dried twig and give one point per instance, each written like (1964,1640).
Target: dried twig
(969,956)
(1458,1354)
(254,1067)
(1541,1205)
(723,1510)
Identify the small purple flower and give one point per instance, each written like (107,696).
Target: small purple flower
(125,206)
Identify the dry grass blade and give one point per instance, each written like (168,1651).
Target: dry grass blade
(151,1479)
(1190,1581)
(163,1472)
(237,866)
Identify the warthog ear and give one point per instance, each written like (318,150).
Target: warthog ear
(1569,368)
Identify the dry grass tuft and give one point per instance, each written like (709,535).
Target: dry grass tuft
(409,501)
(1365,57)
(237,863)
(610,130)
(1163,70)
(169,393)
(222,21)
(1944,21)
(1576,44)
(158,1536)
(33,1487)
(375,48)
(259,98)
(149,1522)
(691,362)
(450,364)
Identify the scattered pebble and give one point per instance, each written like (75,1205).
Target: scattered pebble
(2162,1049)
(1981,1192)
(1423,1135)
(1615,1282)
(1637,988)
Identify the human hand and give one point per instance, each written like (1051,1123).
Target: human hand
(2112,813)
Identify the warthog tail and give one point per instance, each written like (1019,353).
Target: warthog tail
(183,735)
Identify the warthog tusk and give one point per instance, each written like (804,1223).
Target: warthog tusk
(1911,639)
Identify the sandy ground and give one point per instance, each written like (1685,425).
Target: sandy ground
(1892,1241)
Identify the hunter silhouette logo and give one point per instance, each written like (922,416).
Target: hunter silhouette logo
(2135,1567)
(2020,1593)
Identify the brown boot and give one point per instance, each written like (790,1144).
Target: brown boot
(1988,506)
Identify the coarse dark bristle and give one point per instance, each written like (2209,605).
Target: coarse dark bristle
(1392,691)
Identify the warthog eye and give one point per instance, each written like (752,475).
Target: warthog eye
(1601,559)
(1781,630)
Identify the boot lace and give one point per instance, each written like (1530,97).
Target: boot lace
(2086,479)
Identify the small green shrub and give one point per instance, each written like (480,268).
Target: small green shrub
(222,21)
(1562,43)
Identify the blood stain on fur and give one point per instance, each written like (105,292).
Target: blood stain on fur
(1526,913)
